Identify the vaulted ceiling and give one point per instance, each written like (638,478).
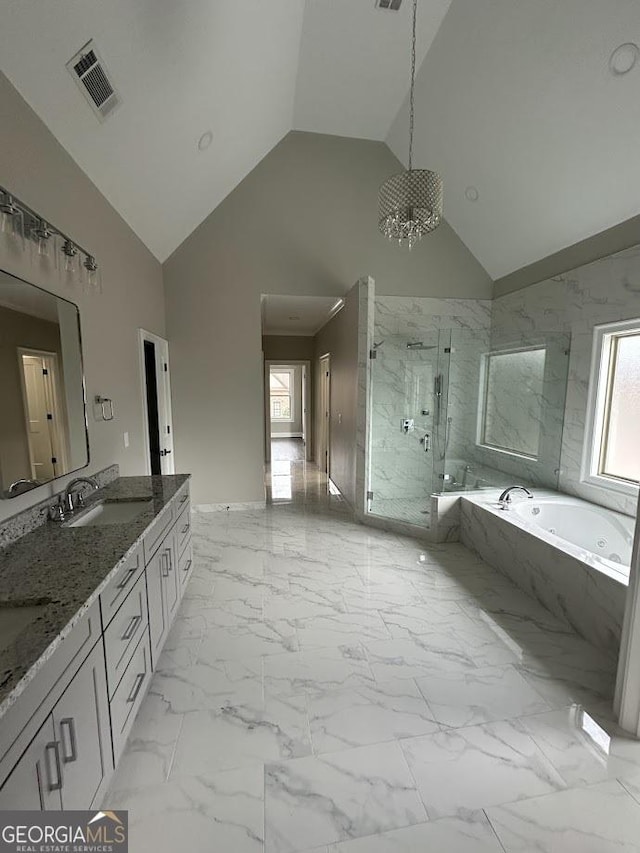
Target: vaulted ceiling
(516,103)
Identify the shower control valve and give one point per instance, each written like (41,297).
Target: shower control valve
(407,425)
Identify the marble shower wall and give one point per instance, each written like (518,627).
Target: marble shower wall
(403,386)
(604,291)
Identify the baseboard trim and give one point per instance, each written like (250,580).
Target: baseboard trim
(286,435)
(231,507)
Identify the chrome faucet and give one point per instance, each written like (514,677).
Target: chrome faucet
(68,501)
(505,498)
(19,484)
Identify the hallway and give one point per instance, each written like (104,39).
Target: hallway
(332,687)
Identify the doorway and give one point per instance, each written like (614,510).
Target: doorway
(156,403)
(323,456)
(44,415)
(287,411)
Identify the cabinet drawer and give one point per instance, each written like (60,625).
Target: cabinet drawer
(183,528)
(129,695)
(120,586)
(181,498)
(157,532)
(185,565)
(124,632)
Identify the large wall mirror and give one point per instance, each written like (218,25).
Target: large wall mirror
(43,423)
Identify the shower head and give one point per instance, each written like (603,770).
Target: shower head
(419,345)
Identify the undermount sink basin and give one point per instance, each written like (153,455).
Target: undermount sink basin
(110,512)
(14,619)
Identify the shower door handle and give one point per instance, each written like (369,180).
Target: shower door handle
(426,442)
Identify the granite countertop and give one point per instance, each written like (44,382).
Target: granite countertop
(66,568)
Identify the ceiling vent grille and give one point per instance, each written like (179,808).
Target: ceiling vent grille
(390,5)
(87,69)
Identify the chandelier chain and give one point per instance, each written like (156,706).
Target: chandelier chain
(413,81)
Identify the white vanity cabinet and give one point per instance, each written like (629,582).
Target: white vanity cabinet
(32,784)
(66,763)
(62,738)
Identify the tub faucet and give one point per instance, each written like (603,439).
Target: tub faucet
(505,498)
(68,500)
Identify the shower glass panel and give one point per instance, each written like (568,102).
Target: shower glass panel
(505,409)
(408,418)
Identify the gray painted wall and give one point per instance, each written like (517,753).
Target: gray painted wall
(339,337)
(39,171)
(303,222)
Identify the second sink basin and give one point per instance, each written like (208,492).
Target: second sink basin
(110,512)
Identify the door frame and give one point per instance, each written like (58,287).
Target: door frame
(58,427)
(307,420)
(324,439)
(144,335)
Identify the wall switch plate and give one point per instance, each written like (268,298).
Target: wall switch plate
(126,439)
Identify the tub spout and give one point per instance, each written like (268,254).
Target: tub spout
(505,498)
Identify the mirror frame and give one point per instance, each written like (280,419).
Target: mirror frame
(4,495)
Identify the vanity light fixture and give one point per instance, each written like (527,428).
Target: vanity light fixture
(47,242)
(10,217)
(410,203)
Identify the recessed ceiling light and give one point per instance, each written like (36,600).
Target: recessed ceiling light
(471,194)
(205,140)
(624,58)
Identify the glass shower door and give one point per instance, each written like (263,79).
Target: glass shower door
(408,408)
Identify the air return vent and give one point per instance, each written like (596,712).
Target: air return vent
(87,69)
(391,5)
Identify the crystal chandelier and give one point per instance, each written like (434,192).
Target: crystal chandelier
(410,203)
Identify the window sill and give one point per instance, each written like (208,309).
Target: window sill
(609,484)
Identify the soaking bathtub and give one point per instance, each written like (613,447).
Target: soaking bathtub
(573,556)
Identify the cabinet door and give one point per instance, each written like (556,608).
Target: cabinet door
(36,781)
(156,593)
(171,579)
(80,720)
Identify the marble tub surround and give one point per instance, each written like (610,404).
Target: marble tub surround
(65,569)
(424,691)
(581,590)
(600,292)
(24,522)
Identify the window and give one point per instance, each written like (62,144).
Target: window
(612,446)
(281,385)
(512,399)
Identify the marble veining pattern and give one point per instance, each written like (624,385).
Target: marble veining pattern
(600,292)
(334,688)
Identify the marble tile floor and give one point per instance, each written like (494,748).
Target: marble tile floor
(331,687)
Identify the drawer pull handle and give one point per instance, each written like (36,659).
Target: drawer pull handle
(164,565)
(185,529)
(188,566)
(129,574)
(184,499)
(169,559)
(55,746)
(136,687)
(72,755)
(132,627)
